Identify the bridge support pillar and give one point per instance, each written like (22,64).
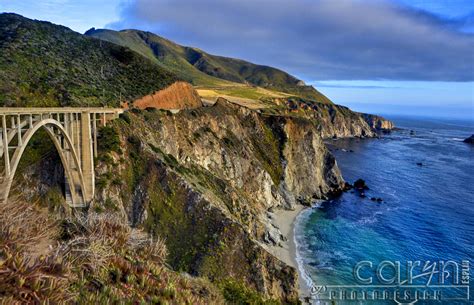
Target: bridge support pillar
(74,191)
(5,146)
(87,159)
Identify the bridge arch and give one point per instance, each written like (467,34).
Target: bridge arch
(74,135)
(67,153)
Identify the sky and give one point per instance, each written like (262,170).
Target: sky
(382,56)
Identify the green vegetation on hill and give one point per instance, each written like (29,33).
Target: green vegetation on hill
(204,69)
(43,64)
(159,50)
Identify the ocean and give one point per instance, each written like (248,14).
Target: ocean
(424,174)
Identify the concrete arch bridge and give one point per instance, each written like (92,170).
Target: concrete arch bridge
(74,134)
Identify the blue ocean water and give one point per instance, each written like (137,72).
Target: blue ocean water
(427,213)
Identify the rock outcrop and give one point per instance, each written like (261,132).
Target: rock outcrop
(341,122)
(311,171)
(377,122)
(335,121)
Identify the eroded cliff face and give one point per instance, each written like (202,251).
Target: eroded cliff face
(204,179)
(341,122)
(307,157)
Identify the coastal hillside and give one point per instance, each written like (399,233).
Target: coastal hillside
(333,121)
(43,64)
(229,75)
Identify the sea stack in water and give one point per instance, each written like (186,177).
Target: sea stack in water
(469,140)
(360,185)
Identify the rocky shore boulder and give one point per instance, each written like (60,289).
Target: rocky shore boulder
(469,140)
(273,235)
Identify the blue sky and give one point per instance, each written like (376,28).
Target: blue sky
(399,56)
(78,15)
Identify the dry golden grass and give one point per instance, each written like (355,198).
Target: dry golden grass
(97,259)
(180,95)
(244,95)
(25,276)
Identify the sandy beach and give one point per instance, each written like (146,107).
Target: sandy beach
(285,221)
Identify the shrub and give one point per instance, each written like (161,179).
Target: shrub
(237,293)
(126,117)
(108,140)
(135,141)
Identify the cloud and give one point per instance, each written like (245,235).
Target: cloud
(316,39)
(326,85)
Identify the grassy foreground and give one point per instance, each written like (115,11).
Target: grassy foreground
(98,260)
(95,260)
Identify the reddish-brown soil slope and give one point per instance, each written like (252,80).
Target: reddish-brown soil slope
(180,95)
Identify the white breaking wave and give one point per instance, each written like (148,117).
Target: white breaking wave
(303,215)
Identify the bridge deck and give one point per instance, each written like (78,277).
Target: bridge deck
(34,110)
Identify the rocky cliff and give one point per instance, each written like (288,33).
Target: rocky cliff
(204,179)
(335,120)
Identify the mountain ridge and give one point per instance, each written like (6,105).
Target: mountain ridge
(205,69)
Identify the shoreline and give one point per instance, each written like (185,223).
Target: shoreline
(285,220)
